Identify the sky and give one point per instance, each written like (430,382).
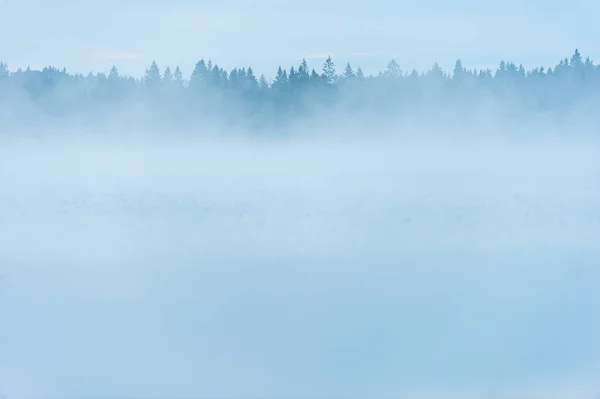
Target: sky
(88,36)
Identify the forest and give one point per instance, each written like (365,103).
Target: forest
(164,98)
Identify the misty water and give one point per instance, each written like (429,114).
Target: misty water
(307,268)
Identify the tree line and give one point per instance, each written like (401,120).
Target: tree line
(240,97)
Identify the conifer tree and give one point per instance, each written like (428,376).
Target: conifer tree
(348,72)
(393,70)
(360,74)
(178,76)
(328,74)
(168,76)
(152,76)
(199,76)
(113,75)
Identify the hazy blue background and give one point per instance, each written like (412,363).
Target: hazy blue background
(365,267)
(86,35)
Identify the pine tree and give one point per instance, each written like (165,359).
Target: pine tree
(4,73)
(218,76)
(328,74)
(436,73)
(113,75)
(303,74)
(521,71)
(152,77)
(251,78)
(198,79)
(348,72)
(262,83)
(577,65)
(414,75)
(234,81)
(168,76)
(293,77)
(178,76)
(359,74)
(393,70)
(242,74)
(576,61)
(281,79)
(458,74)
(315,78)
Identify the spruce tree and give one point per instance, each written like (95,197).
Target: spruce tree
(168,76)
(178,76)
(328,74)
(152,76)
(348,72)
(199,76)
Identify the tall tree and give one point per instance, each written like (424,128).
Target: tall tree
(458,73)
(178,76)
(152,76)
(262,83)
(3,70)
(113,75)
(393,70)
(168,76)
(293,77)
(251,80)
(576,61)
(235,82)
(281,79)
(315,78)
(303,74)
(360,74)
(218,76)
(198,79)
(328,74)
(348,72)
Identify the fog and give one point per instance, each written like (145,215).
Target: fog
(369,266)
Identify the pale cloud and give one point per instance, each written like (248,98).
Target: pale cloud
(119,56)
(318,56)
(199,21)
(360,54)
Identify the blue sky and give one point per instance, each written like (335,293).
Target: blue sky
(85,35)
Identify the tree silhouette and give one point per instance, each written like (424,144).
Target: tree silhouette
(348,72)
(359,74)
(113,75)
(281,80)
(198,79)
(178,76)
(328,74)
(214,93)
(152,76)
(393,70)
(168,76)
(4,73)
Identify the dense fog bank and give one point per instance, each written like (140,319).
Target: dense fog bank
(313,266)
